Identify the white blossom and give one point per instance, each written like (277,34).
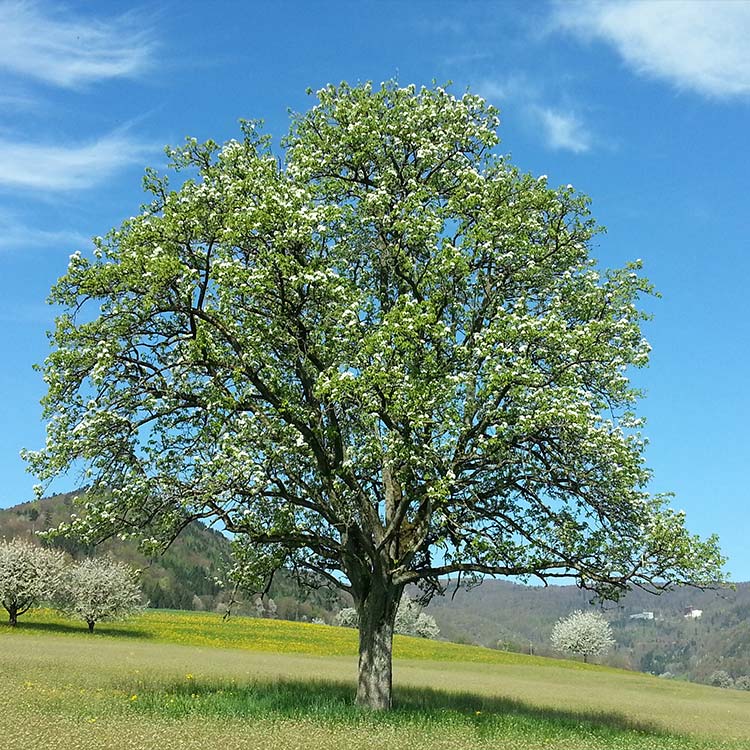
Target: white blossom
(29,575)
(585,633)
(101,589)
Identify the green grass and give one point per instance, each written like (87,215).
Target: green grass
(207,629)
(188,680)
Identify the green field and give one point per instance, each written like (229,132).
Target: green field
(188,680)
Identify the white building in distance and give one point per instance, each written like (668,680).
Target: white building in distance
(642,616)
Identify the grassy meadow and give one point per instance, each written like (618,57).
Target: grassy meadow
(190,680)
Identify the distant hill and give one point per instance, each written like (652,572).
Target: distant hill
(501,614)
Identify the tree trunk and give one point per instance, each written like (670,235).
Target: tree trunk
(91,625)
(13,617)
(377,613)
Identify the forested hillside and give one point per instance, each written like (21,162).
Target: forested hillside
(502,614)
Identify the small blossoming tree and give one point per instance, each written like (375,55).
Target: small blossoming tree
(384,359)
(101,589)
(29,575)
(584,633)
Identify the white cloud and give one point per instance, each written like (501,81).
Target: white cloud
(60,49)
(694,44)
(15,235)
(563,130)
(59,168)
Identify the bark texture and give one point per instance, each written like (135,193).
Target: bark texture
(377,613)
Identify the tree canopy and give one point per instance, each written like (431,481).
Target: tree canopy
(383,358)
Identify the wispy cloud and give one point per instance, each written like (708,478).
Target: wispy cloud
(17,100)
(441,24)
(694,44)
(17,235)
(562,128)
(460,58)
(59,168)
(58,48)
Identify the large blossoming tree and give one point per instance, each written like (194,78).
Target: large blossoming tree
(385,358)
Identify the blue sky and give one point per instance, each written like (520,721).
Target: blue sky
(645,106)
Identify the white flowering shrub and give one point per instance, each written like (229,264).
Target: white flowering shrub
(426,627)
(742,682)
(259,607)
(406,616)
(29,575)
(410,620)
(721,679)
(101,589)
(584,633)
(347,618)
